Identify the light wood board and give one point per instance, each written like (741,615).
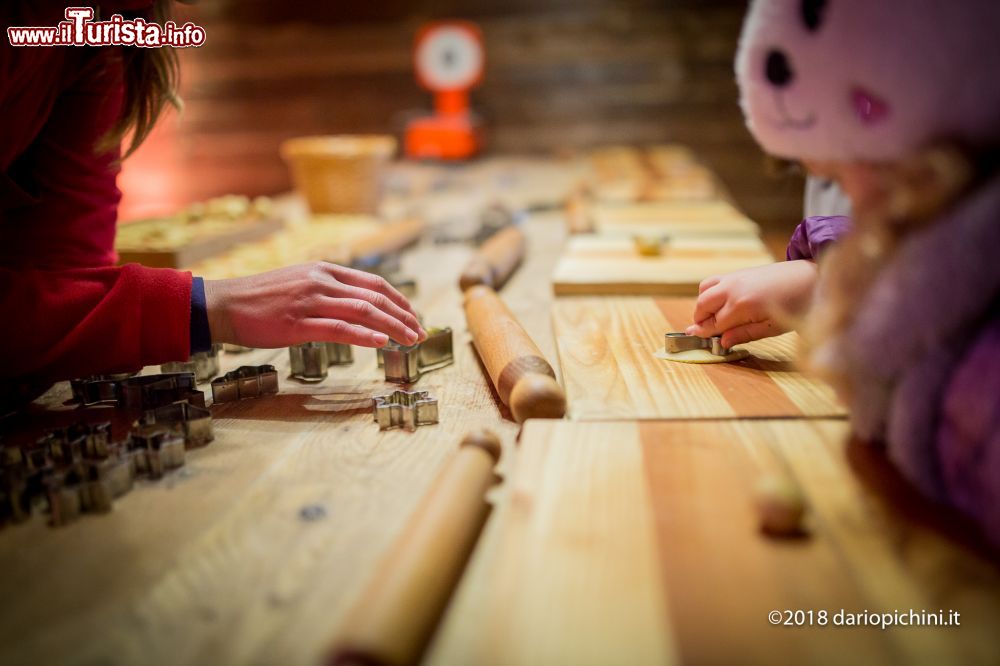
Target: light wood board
(606,353)
(700,218)
(236,233)
(602,264)
(213,564)
(637,543)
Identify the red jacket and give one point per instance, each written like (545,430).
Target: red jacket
(70,311)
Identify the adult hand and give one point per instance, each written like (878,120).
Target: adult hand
(316,302)
(752,303)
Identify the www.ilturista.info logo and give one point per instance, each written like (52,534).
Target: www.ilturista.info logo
(80,29)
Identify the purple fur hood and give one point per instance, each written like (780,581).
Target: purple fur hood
(924,353)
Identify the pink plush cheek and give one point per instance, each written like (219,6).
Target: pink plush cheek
(868,107)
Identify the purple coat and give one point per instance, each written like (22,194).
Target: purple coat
(924,353)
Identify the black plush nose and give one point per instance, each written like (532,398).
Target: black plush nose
(777,70)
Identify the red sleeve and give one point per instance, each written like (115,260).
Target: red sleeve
(70,312)
(80,322)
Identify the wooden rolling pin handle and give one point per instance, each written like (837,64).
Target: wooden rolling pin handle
(495,261)
(524,380)
(537,396)
(390,238)
(397,612)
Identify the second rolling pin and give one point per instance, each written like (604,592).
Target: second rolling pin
(389,238)
(496,260)
(523,378)
(397,612)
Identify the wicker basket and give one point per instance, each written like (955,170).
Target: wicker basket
(339,174)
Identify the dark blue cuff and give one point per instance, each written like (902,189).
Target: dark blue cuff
(201,334)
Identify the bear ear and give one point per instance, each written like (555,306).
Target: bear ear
(812,14)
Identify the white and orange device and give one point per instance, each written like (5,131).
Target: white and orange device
(449,59)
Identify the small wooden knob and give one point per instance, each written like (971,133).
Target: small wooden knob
(537,396)
(485,440)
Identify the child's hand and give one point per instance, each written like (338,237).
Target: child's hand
(318,302)
(748,304)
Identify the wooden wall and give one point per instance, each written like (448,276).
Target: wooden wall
(561,74)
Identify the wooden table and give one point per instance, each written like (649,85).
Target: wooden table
(214,564)
(611,542)
(607,350)
(637,543)
(599,264)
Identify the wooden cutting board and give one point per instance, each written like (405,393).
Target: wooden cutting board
(606,351)
(611,264)
(673,218)
(198,248)
(638,543)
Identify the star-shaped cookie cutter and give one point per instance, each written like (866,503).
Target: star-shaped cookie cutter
(405,409)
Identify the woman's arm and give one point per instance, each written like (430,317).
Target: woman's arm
(71,313)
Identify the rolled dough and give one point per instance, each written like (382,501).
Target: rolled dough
(702,356)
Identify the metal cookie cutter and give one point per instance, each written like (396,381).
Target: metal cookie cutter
(64,491)
(404,364)
(387,267)
(204,365)
(151,391)
(247,381)
(192,423)
(405,409)
(97,389)
(107,479)
(96,439)
(310,361)
(679,342)
(156,449)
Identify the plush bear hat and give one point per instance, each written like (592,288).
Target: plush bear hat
(872,80)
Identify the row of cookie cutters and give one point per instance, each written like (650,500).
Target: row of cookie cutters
(138,392)
(246,381)
(80,469)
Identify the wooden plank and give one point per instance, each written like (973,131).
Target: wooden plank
(603,265)
(701,218)
(214,564)
(198,249)
(550,598)
(606,352)
(564,574)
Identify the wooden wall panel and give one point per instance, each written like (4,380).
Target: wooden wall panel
(561,74)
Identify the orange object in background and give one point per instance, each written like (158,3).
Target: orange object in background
(449,58)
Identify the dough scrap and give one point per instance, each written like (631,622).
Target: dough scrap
(702,356)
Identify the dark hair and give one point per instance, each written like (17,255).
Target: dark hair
(150,77)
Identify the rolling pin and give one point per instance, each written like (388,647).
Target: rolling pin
(495,261)
(523,378)
(397,612)
(577,216)
(389,238)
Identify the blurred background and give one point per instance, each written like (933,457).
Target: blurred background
(561,76)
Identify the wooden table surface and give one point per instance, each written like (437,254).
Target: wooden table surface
(611,541)
(606,352)
(213,564)
(637,543)
(601,264)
